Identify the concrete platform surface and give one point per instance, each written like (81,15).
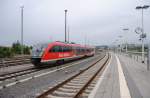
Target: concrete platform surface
(123,78)
(137,76)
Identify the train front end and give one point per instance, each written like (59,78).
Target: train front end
(37,53)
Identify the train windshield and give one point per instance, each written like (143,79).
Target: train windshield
(38,50)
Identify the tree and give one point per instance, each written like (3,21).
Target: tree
(16,47)
(6,52)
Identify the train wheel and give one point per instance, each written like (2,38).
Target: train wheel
(36,62)
(60,62)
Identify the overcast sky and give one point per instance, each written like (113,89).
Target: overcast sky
(101,21)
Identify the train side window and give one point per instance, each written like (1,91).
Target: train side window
(51,50)
(60,49)
(70,49)
(82,50)
(55,49)
(78,50)
(65,49)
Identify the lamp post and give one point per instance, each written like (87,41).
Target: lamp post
(148,58)
(120,43)
(142,35)
(68,34)
(117,44)
(114,46)
(65,25)
(126,29)
(22,7)
(85,40)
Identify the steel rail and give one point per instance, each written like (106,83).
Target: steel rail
(51,90)
(3,77)
(18,73)
(6,62)
(90,80)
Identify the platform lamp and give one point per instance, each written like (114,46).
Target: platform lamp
(120,43)
(65,25)
(126,30)
(22,47)
(142,35)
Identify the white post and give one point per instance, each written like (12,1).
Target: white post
(65,25)
(126,47)
(142,35)
(143,54)
(148,58)
(22,30)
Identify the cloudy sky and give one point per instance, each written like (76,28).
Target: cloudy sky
(100,21)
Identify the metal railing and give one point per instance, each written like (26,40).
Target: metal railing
(137,56)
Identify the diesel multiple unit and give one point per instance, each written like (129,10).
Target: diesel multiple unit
(58,52)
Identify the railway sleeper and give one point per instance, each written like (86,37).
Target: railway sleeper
(71,87)
(62,94)
(52,96)
(84,95)
(77,82)
(18,61)
(81,78)
(91,85)
(67,90)
(74,84)
(87,91)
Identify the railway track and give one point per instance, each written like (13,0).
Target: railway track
(18,60)
(80,84)
(10,75)
(17,73)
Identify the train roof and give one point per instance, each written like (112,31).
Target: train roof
(70,44)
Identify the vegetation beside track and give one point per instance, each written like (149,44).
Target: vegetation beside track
(15,49)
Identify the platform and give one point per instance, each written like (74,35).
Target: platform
(123,78)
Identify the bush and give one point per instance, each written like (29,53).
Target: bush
(14,50)
(6,52)
(26,50)
(17,48)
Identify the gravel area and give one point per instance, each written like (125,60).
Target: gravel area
(29,88)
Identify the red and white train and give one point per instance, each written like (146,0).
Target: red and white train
(58,52)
